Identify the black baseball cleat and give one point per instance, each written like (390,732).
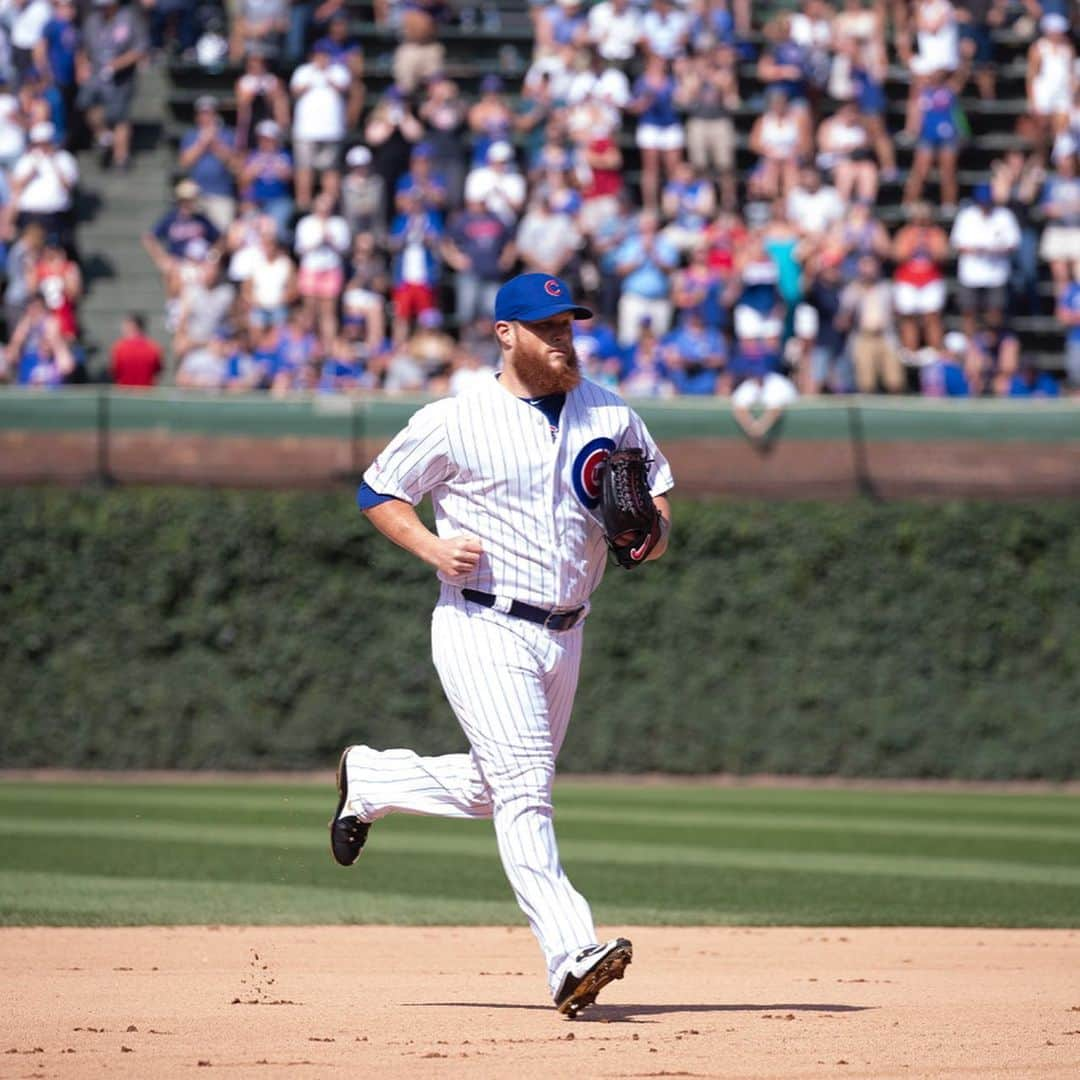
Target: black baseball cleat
(593,968)
(347,834)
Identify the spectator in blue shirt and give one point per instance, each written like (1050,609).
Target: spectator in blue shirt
(644,261)
(1030,382)
(646,374)
(343,369)
(757,355)
(296,345)
(242,372)
(1068,313)
(761,393)
(178,229)
(823,360)
(266,176)
(207,156)
(695,356)
(564,23)
(598,350)
(423,181)
(57,49)
(267,351)
(945,375)
(689,204)
(37,354)
(699,287)
(479,246)
(784,63)
(660,135)
(40,99)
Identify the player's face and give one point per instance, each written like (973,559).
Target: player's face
(543,356)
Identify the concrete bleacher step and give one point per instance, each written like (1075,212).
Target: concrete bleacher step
(117,207)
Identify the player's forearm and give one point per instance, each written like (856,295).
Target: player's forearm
(399,522)
(452,556)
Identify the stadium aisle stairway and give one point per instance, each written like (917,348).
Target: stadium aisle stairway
(115,209)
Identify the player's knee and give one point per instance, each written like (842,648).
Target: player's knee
(523,802)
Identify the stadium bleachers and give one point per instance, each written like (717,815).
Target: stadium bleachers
(475,52)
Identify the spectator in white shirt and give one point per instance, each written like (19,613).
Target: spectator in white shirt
(12,133)
(320,89)
(27,23)
(665,29)
(615,29)
(497,185)
(322,242)
(984,237)
(812,207)
(43,184)
(599,81)
(271,286)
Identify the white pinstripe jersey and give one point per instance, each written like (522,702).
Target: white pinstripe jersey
(495,472)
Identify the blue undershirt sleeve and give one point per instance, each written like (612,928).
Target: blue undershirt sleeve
(367,496)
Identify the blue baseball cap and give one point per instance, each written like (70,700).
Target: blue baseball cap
(533,297)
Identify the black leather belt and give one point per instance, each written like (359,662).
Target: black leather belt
(549,620)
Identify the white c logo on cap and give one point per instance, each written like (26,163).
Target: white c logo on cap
(552,287)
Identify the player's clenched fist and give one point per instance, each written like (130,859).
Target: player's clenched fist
(457,556)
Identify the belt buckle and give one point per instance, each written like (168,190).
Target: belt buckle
(575,615)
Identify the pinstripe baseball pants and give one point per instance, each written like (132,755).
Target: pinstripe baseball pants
(511,684)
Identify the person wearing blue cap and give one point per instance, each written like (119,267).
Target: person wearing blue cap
(513,466)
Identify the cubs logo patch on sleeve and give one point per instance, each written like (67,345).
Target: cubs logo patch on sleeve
(588,469)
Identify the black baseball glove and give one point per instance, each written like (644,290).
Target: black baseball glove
(631,520)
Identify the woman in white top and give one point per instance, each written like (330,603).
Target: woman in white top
(1050,80)
(322,241)
(937,37)
(780,137)
(271,286)
(844,150)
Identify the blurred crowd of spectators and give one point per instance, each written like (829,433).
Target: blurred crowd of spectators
(67,78)
(322,240)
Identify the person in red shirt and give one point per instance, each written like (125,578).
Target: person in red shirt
(58,280)
(136,359)
(600,161)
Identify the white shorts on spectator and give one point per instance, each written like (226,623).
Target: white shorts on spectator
(657,137)
(750,323)
(925,299)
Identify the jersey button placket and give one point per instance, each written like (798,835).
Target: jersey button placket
(556,493)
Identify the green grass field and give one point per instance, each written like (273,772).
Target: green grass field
(102,853)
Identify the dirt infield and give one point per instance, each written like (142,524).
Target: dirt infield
(445,1002)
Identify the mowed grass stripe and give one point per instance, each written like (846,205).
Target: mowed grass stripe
(111,901)
(673,800)
(420,840)
(761,833)
(240,804)
(405,891)
(187,847)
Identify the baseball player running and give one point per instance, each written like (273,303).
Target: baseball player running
(515,468)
